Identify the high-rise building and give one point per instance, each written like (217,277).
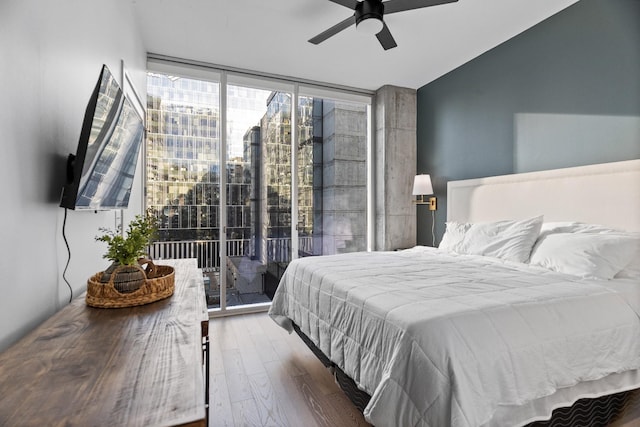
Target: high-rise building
(183,173)
(182,157)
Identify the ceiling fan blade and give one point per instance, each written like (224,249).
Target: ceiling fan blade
(385,38)
(333,30)
(393,6)
(351,4)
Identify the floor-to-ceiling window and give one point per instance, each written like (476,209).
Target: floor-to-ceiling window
(259,143)
(245,182)
(332,175)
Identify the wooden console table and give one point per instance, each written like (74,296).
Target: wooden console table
(138,366)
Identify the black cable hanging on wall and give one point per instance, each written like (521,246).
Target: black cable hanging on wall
(64,236)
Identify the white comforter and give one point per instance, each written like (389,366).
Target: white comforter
(439,339)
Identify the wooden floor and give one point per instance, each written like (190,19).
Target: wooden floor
(262,376)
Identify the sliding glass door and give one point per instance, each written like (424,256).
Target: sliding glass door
(331,175)
(258,148)
(246,174)
(183,180)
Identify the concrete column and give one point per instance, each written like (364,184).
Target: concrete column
(396,112)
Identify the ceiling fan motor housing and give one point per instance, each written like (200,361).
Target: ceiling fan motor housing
(369,9)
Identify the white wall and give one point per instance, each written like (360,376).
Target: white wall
(50,58)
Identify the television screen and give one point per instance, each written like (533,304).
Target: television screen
(100,174)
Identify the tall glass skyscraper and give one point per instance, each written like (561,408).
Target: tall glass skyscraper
(184,170)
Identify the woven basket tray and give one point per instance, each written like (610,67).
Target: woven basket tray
(105,295)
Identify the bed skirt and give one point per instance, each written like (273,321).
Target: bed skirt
(596,412)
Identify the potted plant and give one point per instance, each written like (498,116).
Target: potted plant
(125,252)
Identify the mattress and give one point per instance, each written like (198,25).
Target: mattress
(442,339)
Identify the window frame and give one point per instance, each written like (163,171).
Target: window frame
(225,76)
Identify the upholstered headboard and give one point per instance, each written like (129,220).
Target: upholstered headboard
(607,194)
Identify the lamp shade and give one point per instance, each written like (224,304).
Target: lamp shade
(422,185)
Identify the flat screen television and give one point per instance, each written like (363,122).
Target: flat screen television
(100,174)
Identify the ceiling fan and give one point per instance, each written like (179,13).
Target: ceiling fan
(368,17)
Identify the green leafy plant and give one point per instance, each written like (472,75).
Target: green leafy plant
(141,232)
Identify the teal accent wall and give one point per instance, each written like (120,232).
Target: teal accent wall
(483,118)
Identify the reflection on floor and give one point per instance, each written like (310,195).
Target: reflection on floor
(245,283)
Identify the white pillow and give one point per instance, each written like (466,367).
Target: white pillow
(632,270)
(574,227)
(587,255)
(453,236)
(508,240)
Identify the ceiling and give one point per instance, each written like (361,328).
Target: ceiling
(271,36)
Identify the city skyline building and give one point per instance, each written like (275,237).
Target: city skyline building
(184,167)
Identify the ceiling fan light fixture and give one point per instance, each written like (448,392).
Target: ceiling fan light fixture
(369,16)
(370,26)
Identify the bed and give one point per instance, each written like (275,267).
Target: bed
(530,303)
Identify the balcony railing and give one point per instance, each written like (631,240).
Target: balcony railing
(207,252)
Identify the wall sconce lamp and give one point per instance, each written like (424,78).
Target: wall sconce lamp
(422,187)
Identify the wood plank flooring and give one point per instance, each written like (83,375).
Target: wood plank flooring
(263,376)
